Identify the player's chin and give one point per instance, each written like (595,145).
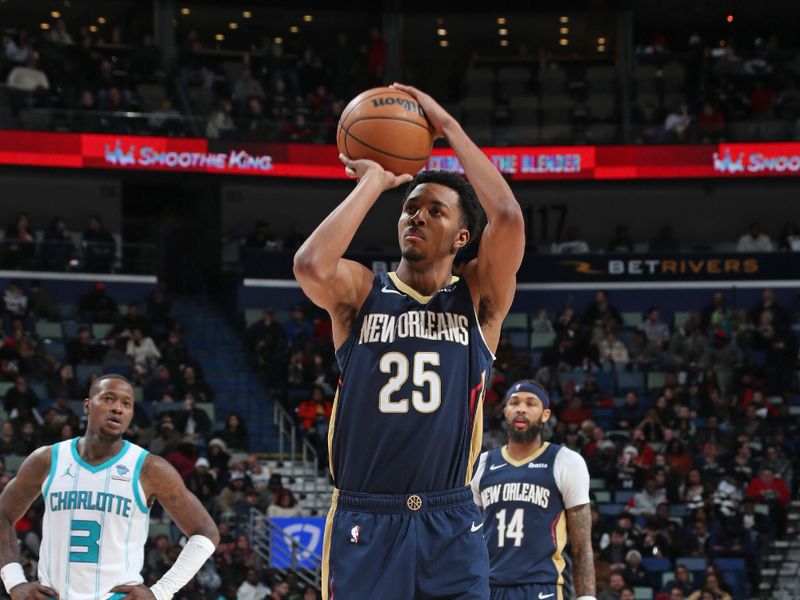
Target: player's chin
(412,254)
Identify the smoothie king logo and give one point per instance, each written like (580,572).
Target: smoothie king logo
(756,162)
(147,156)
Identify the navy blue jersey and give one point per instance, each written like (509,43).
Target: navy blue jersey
(407,415)
(524,504)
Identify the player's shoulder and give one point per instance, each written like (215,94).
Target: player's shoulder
(567,457)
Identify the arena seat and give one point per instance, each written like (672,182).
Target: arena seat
(630,381)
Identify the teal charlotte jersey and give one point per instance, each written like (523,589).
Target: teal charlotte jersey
(95,523)
(524,517)
(407,415)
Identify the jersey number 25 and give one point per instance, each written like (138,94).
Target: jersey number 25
(396,365)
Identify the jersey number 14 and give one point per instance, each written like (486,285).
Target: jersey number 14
(513,530)
(396,365)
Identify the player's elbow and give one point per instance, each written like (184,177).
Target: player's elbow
(308,268)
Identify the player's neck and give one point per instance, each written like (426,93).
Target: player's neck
(519,451)
(98,448)
(426,279)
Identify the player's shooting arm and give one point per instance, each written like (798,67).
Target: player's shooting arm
(329,280)
(503,240)
(579,531)
(162,482)
(15,501)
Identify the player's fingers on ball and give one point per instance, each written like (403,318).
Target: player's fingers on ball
(351,172)
(343,158)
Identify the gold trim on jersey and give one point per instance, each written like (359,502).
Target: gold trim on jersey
(527,459)
(326,544)
(331,425)
(559,592)
(409,291)
(561,540)
(477,431)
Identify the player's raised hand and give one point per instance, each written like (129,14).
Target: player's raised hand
(32,591)
(362,167)
(436,114)
(134,592)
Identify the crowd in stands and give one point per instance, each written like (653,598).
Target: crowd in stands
(56,248)
(50,353)
(698,91)
(685,426)
(754,240)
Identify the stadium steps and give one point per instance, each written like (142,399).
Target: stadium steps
(780,569)
(217,346)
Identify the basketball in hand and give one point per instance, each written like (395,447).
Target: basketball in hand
(387,126)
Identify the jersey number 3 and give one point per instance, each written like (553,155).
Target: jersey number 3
(84,537)
(396,365)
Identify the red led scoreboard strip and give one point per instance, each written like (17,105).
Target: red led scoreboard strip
(119,152)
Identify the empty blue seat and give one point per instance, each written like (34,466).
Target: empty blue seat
(630,381)
(84,372)
(606,381)
(518,339)
(610,510)
(623,496)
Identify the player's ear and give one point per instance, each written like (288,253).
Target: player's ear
(86,406)
(462,239)
(545,415)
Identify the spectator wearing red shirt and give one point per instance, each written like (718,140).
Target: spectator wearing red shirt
(711,123)
(315,409)
(771,490)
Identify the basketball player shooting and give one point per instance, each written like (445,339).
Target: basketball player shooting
(534,494)
(414,348)
(97,493)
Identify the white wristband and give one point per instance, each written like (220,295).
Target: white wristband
(585,598)
(193,556)
(12,575)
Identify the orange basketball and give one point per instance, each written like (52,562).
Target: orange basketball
(387,126)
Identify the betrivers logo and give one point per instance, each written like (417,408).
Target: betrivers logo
(147,156)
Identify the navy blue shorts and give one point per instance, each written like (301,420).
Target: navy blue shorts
(532,591)
(405,547)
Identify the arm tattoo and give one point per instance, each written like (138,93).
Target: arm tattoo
(579,529)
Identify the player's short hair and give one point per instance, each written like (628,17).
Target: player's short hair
(96,383)
(472,215)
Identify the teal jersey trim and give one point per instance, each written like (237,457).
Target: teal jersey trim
(135,482)
(100,467)
(53,463)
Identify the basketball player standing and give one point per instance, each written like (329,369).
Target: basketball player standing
(414,349)
(97,492)
(534,494)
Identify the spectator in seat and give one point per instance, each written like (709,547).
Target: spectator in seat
(166,120)
(780,318)
(621,242)
(679,126)
(601,310)
(245,88)
(665,241)
(646,502)
(790,238)
(649,128)
(28,84)
(634,573)
(192,421)
(297,130)
(201,482)
(654,328)
(19,243)
(613,352)
(99,247)
(771,490)
(84,350)
(159,312)
(191,383)
(294,239)
(174,353)
(261,238)
(710,587)
(711,124)
(643,353)
(781,466)
(616,584)
(142,349)
(631,412)
(572,243)
(266,326)
(284,505)
(15,301)
(235,433)
(754,240)
(252,588)
(57,249)
(682,582)
(220,124)
(20,398)
(298,326)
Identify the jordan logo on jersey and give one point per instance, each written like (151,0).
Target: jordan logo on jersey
(67,473)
